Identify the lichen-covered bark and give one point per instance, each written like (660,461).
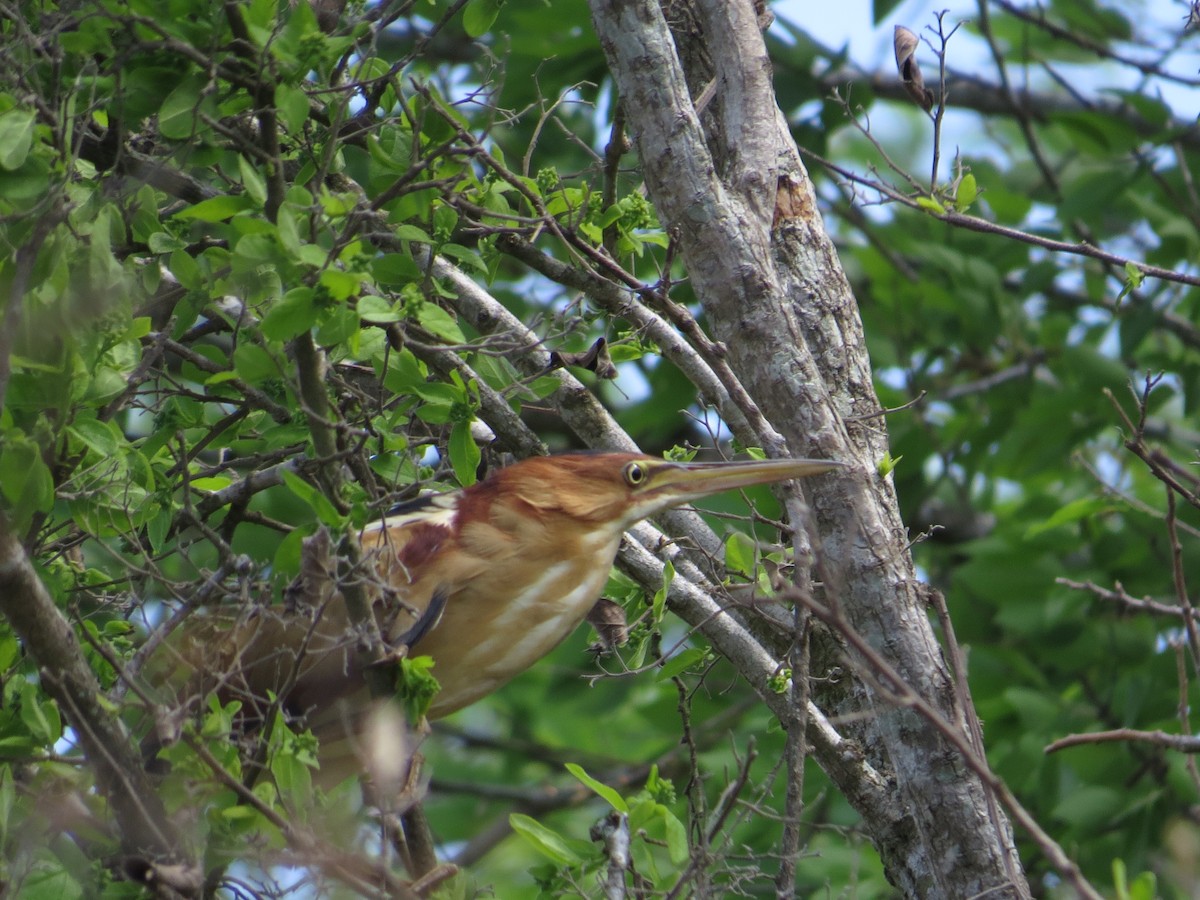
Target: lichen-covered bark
(737,196)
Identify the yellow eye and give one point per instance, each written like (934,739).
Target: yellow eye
(635,474)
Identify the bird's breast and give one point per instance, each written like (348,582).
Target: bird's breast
(502,623)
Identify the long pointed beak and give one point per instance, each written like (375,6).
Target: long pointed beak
(688,481)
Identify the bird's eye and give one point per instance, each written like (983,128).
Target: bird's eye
(635,474)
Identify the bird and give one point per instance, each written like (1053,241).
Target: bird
(486,580)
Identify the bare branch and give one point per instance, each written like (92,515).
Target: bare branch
(1184,743)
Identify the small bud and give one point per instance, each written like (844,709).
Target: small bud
(904,42)
(608,619)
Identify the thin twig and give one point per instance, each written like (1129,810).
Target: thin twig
(974,223)
(984,23)
(1180,582)
(1182,709)
(1184,743)
(795,752)
(940,112)
(1119,596)
(966,709)
(361,874)
(1080,39)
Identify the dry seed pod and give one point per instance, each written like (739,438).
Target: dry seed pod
(905,44)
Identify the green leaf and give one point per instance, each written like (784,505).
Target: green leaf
(293,107)
(341,327)
(339,284)
(293,314)
(292,777)
(480,15)
(375,309)
(9,651)
(16,137)
(314,498)
(254,364)
(395,269)
(680,662)
(464,453)
(1090,806)
(1083,508)
(96,435)
(615,800)
(676,833)
(185,269)
(216,209)
(392,156)
(660,596)
(25,481)
(1120,879)
(252,181)
(29,182)
(464,256)
(139,327)
(287,554)
(412,233)
(932,205)
(8,797)
(888,464)
(313,255)
(440,323)
(966,193)
(178,117)
(50,882)
(741,553)
(659,789)
(416,686)
(158,528)
(302,27)
(40,717)
(165,242)
(1144,887)
(287,225)
(547,842)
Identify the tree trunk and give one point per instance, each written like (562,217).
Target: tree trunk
(729,185)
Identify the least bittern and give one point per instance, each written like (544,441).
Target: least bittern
(486,580)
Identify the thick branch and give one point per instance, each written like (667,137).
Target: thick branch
(771,284)
(617,301)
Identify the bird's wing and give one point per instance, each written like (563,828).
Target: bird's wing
(420,563)
(305,654)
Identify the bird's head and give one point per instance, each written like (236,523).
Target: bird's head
(619,489)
